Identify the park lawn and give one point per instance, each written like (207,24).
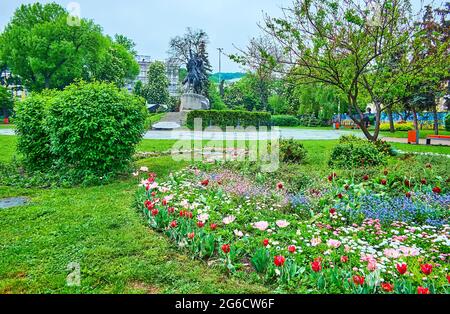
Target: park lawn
(99,228)
(404,134)
(7,126)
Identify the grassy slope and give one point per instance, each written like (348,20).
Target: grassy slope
(98,228)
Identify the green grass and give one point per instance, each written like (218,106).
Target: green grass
(98,228)
(7,126)
(404,134)
(422,148)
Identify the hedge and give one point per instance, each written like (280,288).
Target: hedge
(447,122)
(285,120)
(231,118)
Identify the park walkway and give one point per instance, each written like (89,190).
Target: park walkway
(297,134)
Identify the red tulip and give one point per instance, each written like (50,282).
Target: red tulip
(213,227)
(437,190)
(174,224)
(358,280)
(292,249)
(332,176)
(387,287)
(366,177)
(153,194)
(188,215)
(448,278)
(340,196)
(205,182)
(386,172)
(333,211)
(164,202)
(155,212)
(424,181)
(344,259)
(280,185)
(182,213)
(226,248)
(316,266)
(384,182)
(422,290)
(426,268)
(402,268)
(171,210)
(200,224)
(191,235)
(408,194)
(266,242)
(407,183)
(279,260)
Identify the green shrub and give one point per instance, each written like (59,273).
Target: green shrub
(382,146)
(284,120)
(31,128)
(447,122)
(232,118)
(310,121)
(353,153)
(385,127)
(292,151)
(94,128)
(84,134)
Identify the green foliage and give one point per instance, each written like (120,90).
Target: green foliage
(243,94)
(32,129)
(94,128)
(385,127)
(292,151)
(6,101)
(156,91)
(447,122)
(224,118)
(310,121)
(278,105)
(85,134)
(353,152)
(284,120)
(46,52)
(215,100)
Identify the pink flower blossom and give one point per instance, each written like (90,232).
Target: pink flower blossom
(261,225)
(316,241)
(228,220)
(282,223)
(334,243)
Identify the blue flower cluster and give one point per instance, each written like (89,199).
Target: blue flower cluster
(388,208)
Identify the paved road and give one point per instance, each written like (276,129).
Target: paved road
(297,134)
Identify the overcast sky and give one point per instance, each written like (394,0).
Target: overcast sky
(151,23)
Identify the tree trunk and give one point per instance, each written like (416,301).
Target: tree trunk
(416,126)
(436,122)
(391,121)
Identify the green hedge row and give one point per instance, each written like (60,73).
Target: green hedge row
(232,118)
(285,120)
(447,122)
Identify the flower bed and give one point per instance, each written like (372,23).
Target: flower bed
(370,237)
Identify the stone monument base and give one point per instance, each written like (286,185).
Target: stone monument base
(194,102)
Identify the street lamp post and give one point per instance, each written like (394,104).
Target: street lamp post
(220,63)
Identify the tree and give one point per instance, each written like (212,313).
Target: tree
(40,47)
(192,43)
(347,46)
(261,57)
(116,63)
(6,101)
(156,91)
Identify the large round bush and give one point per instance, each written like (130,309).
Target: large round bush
(94,128)
(34,141)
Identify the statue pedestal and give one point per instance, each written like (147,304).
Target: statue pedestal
(193,101)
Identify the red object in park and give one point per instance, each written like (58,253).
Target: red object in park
(6,120)
(338,125)
(412,137)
